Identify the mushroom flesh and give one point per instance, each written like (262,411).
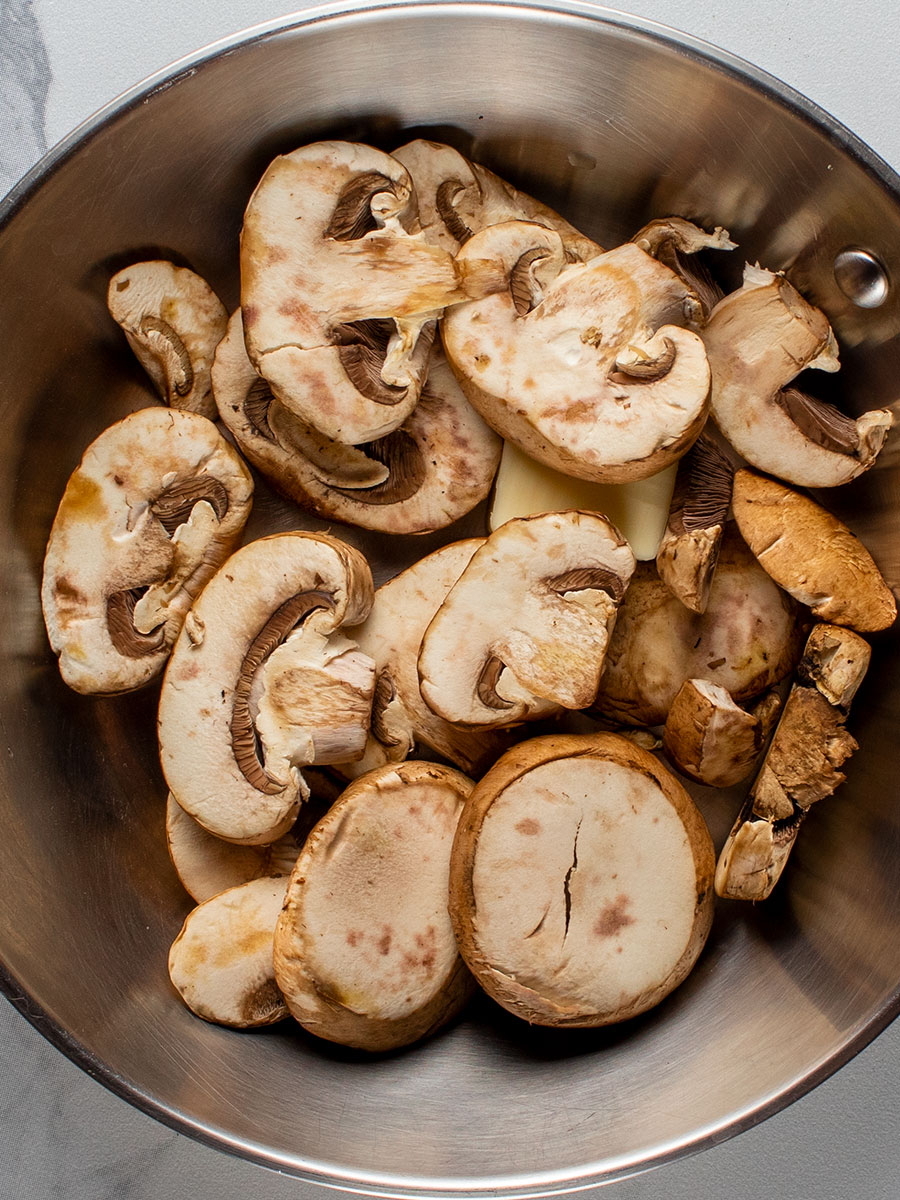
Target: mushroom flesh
(708,737)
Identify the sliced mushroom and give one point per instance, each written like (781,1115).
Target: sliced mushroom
(221,962)
(759,339)
(258,685)
(811,554)
(173,321)
(157,503)
(524,630)
(748,639)
(457,198)
(364,951)
(676,242)
(432,470)
(708,737)
(690,546)
(581,881)
(583,367)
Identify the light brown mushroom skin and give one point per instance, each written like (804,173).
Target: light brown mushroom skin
(811,554)
(708,737)
(835,661)
(530,1002)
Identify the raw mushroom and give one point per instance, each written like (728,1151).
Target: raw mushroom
(584,367)
(708,737)
(525,629)
(339,295)
(158,501)
(689,548)
(835,661)
(364,951)
(581,881)
(221,962)
(262,683)
(748,639)
(676,242)
(811,554)
(432,470)
(173,321)
(759,339)
(457,198)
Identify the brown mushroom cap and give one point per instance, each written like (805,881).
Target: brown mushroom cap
(811,554)
(835,661)
(582,366)
(157,503)
(708,737)
(581,881)
(364,951)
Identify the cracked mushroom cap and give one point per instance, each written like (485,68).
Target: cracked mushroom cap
(364,951)
(524,630)
(580,881)
(811,554)
(759,338)
(584,366)
(748,638)
(221,962)
(435,468)
(158,501)
(261,683)
(173,321)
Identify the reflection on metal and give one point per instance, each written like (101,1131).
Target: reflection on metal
(861,277)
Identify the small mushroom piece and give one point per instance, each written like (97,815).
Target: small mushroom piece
(759,339)
(676,242)
(835,661)
(580,881)
(221,962)
(158,501)
(689,548)
(583,367)
(173,321)
(432,470)
(708,737)
(257,686)
(748,639)
(364,951)
(524,630)
(811,554)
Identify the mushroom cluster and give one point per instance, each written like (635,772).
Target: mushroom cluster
(382,798)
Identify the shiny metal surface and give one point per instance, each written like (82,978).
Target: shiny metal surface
(861,277)
(612,121)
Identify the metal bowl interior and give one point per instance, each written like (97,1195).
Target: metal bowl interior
(611,121)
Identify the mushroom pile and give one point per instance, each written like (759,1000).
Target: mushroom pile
(382,799)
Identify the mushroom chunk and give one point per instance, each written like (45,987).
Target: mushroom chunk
(690,546)
(157,503)
(432,470)
(748,639)
(339,295)
(524,631)
(221,962)
(173,321)
(676,242)
(364,951)
(580,881)
(261,684)
(811,554)
(759,339)
(708,737)
(584,367)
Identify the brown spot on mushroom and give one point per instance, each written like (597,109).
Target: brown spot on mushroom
(822,423)
(528,827)
(120,622)
(166,344)
(353,937)
(384,942)
(447,190)
(352,216)
(613,917)
(173,506)
(262,1003)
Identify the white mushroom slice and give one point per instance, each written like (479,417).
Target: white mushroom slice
(581,881)
(221,962)
(811,554)
(457,198)
(432,470)
(581,366)
(835,661)
(759,339)
(392,636)
(173,321)
(524,631)
(676,242)
(217,677)
(157,503)
(708,737)
(364,951)
(689,548)
(748,639)
(335,283)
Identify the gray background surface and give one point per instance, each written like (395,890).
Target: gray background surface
(61,1134)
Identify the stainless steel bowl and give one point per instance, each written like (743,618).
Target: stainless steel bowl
(611,120)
